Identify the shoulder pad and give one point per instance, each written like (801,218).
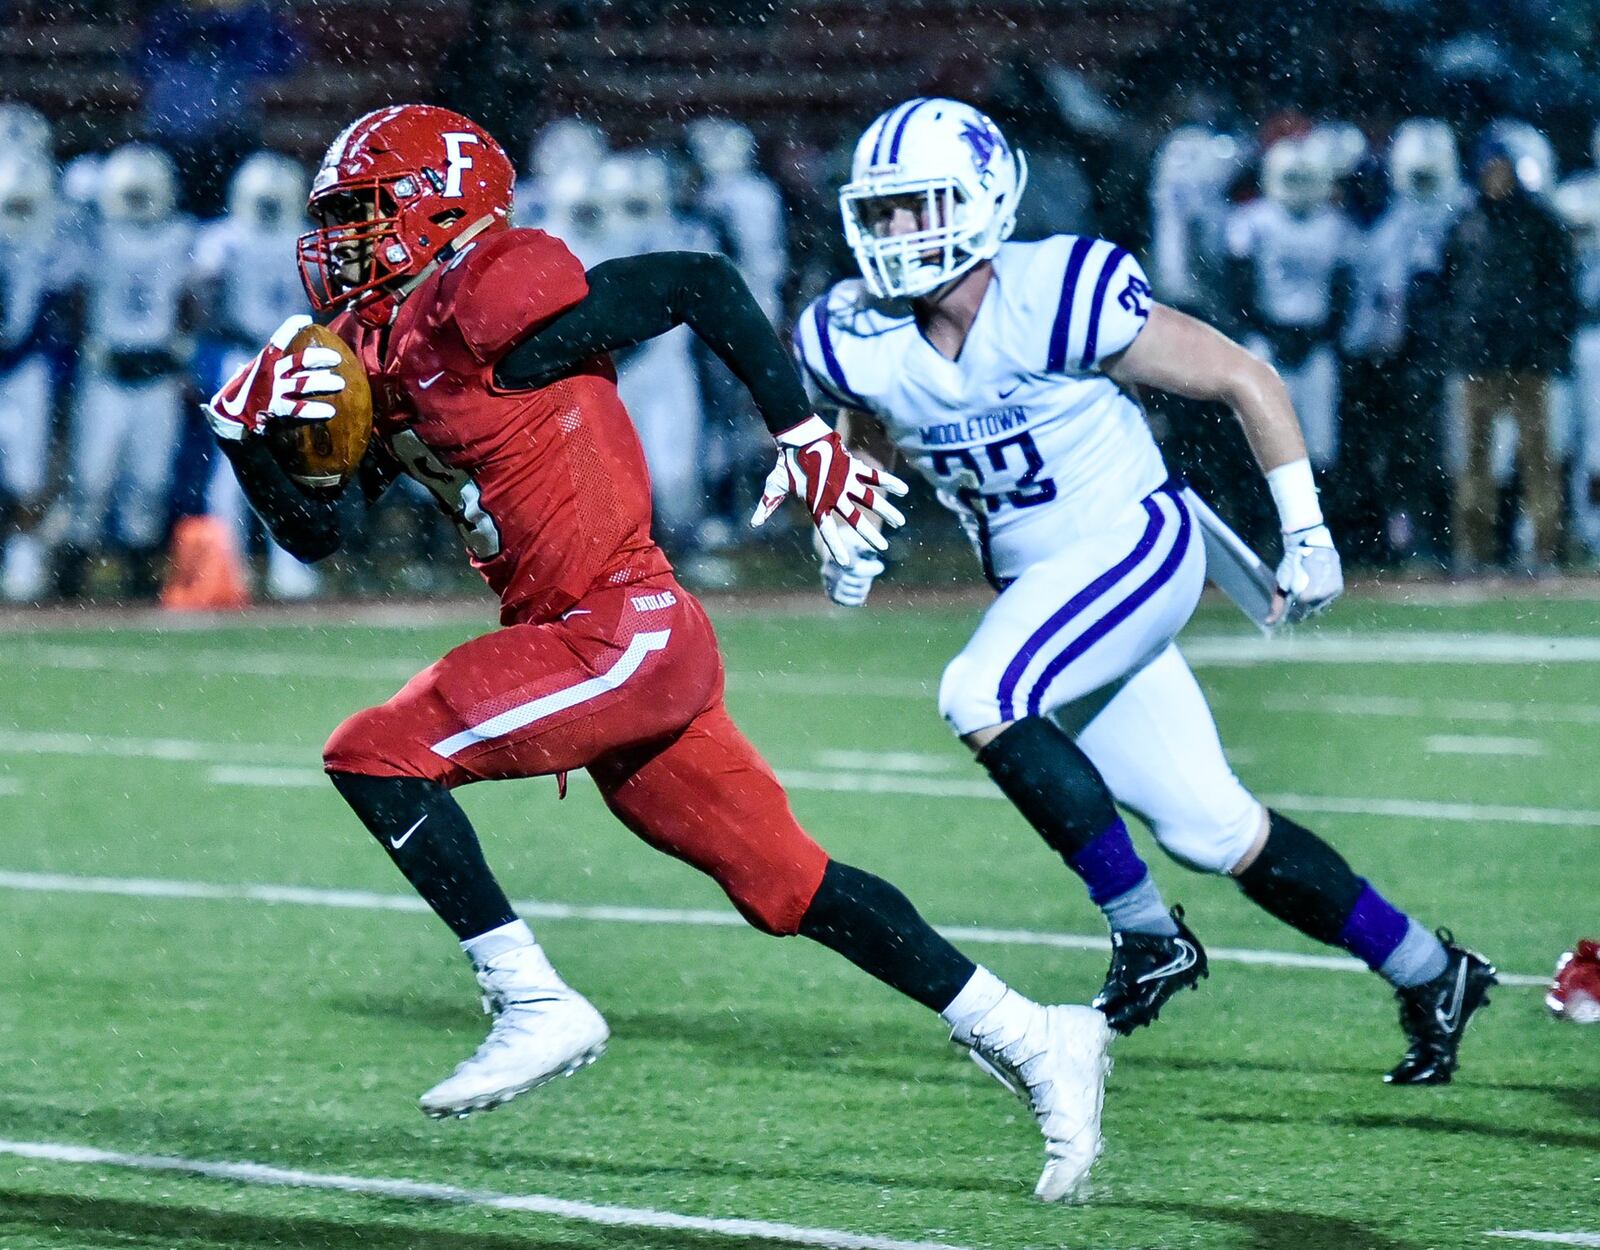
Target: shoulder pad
(500,288)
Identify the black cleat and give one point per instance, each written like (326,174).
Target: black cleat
(1146,970)
(1435,1014)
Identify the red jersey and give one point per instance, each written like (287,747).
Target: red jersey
(548,487)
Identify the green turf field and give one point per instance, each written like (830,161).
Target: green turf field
(750,1079)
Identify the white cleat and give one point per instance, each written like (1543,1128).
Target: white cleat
(539,1034)
(1056,1060)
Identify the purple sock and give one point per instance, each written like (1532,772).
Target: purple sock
(1109,865)
(1374,928)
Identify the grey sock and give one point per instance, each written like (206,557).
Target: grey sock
(1419,958)
(1140,910)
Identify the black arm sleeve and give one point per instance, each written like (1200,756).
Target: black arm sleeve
(636,298)
(306,526)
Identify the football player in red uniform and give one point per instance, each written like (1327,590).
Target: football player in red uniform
(487,351)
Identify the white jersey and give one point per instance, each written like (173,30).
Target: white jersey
(1407,240)
(31,269)
(1579,200)
(135,277)
(1294,259)
(256,272)
(1023,437)
(1188,240)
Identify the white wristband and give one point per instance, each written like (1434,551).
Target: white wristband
(808,431)
(1294,491)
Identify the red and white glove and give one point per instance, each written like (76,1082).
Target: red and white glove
(840,492)
(276,385)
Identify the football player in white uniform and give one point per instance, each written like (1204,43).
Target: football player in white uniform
(33,272)
(1395,480)
(628,209)
(248,284)
(1290,248)
(1578,200)
(744,210)
(129,405)
(1005,373)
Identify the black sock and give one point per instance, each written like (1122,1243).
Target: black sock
(1302,881)
(431,841)
(875,927)
(1052,783)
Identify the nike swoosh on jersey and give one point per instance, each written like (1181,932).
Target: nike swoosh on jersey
(1011,392)
(425,383)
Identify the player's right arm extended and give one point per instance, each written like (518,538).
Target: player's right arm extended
(635,298)
(1177,353)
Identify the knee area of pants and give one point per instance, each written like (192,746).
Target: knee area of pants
(966,701)
(358,745)
(1212,846)
(772,903)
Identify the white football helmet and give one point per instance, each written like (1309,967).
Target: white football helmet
(27,197)
(137,184)
(1423,162)
(1339,146)
(721,148)
(1200,157)
(1532,157)
(24,131)
(1294,175)
(268,192)
(564,147)
(952,169)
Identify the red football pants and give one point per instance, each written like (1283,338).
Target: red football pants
(628,684)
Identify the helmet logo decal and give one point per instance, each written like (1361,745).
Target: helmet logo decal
(456,163)
(984,141)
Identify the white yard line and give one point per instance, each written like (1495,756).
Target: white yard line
(914,786)
(428,1191)
(534,909)
(1202,651)
(1549,1239)
(1481,744)
(229,771)
(1532,712)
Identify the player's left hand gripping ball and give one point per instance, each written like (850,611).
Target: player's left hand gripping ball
(1309,576)
(839,491)
(276,385)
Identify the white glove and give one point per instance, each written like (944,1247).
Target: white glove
(1309,576)
(276,385)
(843,495)
(849,586)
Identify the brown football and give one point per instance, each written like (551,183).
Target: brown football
(322,455)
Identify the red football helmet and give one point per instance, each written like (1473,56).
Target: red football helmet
(397,188)
(1575,993)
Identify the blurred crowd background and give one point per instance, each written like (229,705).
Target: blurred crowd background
(1397,201)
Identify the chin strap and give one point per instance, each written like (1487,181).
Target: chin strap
(445,255)
(384,305)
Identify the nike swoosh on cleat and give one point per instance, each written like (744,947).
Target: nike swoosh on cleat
(1182,962)
(405,837)
(1449,1020)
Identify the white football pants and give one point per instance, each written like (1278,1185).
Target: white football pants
(123,435)
(1586,384)
(25,429)
(1086,636)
